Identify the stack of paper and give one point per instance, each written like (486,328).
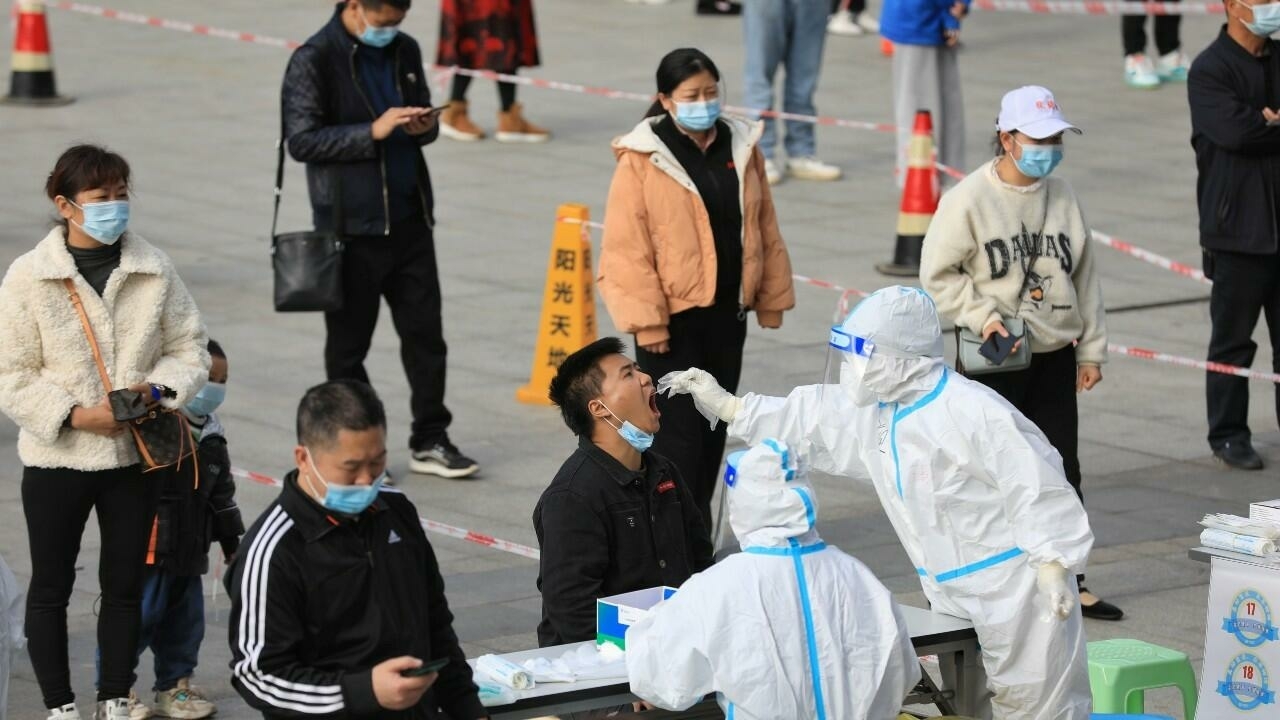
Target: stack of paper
(1243,535)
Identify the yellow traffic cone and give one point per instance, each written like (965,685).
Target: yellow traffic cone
(568,304)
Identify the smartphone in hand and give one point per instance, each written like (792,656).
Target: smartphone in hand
(426,668)
(997,348)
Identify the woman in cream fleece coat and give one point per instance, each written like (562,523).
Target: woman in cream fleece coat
(1011,241)
(75,456)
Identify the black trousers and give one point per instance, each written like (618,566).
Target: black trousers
(1244,286)
(56,503)
(400,267)
(711,339)
(1046,393)
(1133,28)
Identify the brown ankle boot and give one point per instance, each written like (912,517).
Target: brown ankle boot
(455,125)
(513,128)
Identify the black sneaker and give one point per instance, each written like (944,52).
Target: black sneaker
(444,460)
(720,7)
(1239,454)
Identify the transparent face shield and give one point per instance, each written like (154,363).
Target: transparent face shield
(847,357)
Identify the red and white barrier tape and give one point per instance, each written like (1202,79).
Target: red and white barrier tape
(181,26)
(1144,354)
(429,525)
(1092,7)
(178,25)
(1147,256)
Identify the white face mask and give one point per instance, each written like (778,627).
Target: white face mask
(852,378)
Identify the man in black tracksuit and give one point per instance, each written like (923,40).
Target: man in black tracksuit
(355,103)
(1234,91)
(617,517)
(335,591)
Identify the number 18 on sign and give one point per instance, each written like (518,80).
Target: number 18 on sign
(1242,643)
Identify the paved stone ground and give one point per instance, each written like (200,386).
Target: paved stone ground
(197,118)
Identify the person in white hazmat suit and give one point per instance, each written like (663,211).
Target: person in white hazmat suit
(12,639)
(975,492)
(788,628)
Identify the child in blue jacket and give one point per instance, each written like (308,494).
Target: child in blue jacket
(926,74)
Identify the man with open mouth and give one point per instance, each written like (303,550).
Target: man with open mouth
(617,517)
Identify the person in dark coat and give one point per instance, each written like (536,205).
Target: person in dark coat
(617,517)
(1234,92)
(336,597)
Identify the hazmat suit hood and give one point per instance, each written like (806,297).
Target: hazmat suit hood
(770,504)
(905,356)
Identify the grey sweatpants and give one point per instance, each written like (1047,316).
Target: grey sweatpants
(928,78)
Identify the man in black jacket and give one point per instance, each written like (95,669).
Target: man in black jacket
(1234,91)
(616,518)
(335,591)
(356,111)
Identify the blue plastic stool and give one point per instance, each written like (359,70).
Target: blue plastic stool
(1108,716)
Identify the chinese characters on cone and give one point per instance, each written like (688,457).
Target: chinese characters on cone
(568,319)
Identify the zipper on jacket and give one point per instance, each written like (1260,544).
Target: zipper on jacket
(382,164)
(421,197)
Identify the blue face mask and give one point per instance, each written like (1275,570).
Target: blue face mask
(378,37)
(697,116)
(347,499)
(635,437)
(1038,161)
(1266,19)
(104,221)
(208,399)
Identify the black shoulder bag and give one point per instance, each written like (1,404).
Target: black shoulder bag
(307,264)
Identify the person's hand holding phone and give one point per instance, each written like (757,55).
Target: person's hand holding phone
(99,419)
(392,690)
(997,326)
(393,118)
(424,122)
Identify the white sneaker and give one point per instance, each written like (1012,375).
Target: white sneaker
(811,168)
(844,24)
(1172,67)
(868,23)
(184,702)
(771,172)
(66,712)
(1140,73)
(137,711)
(117,709)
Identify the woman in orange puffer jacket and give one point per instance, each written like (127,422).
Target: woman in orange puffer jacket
(691,245)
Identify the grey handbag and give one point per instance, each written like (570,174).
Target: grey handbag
(969,360)
(973,363)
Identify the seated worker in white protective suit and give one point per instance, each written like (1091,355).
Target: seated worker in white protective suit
(976,494)
(788,628)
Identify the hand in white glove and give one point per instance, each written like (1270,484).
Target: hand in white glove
(713,401)
(1051,579)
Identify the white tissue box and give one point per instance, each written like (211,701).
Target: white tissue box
(1265,510)
(616,613)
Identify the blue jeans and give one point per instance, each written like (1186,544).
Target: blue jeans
(172,625)
(789,33)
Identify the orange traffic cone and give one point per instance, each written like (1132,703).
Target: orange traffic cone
(919,200)
(886,46)
(31,81)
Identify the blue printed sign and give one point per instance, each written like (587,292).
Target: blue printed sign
(1250,619)
(1247,684)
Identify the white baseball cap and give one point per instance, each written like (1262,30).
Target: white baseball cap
(1032,111)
